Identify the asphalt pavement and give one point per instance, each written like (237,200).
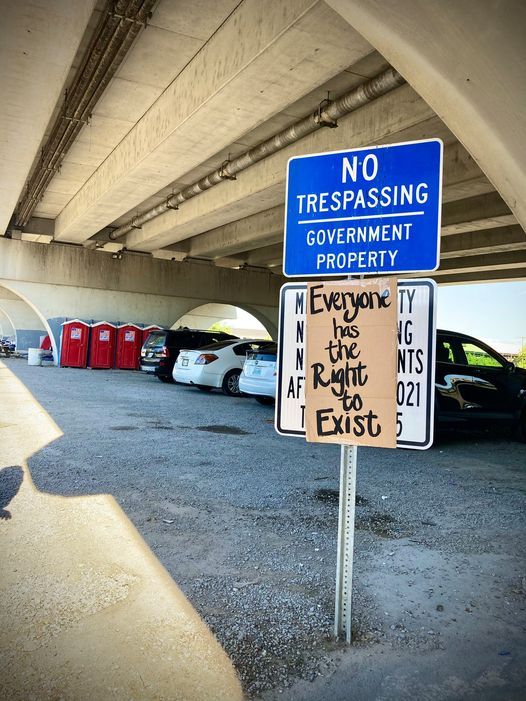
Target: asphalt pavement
(245,522)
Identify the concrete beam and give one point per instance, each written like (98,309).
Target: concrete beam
(464,245)
(265,255)
(467,60)
(482,263)
(261,229)
(77,267)
(38,42)
(463,178)
(506,238)
(264,56)
(266,228)
(508,275)
(263,185)
(229,262)
(474,213)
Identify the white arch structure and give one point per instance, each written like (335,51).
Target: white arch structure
(35,310)
(212,312)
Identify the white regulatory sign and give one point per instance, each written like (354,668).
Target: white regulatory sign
(416,362)
(290,392)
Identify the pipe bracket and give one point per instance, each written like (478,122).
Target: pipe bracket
(223,174)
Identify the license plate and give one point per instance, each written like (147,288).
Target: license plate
(185,362)
(257,371)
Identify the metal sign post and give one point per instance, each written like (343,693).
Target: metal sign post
(345,547)
(373,210)
(344,558)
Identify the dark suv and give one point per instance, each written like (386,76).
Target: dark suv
(161,348)
(475,385)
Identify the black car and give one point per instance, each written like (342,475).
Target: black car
(476,386)
(161,348)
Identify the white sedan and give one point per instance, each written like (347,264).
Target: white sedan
(217,365)
(258,378)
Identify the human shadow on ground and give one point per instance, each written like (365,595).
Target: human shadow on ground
(10,480)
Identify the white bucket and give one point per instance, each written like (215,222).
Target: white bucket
(34,356)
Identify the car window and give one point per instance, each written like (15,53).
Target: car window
(444,352)
(155,340)
(216,337)
(180,339)
(480,357)
(268,352)
(250,347)
(218,345)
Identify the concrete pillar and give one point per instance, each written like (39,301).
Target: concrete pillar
(28,326)
(7,328)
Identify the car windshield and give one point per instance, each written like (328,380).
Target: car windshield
(155,340)
(267,352)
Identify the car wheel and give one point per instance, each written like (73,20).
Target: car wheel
(521,428)
(204,388)
(231,383)
(267,401)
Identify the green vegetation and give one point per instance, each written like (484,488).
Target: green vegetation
(218,326)
(520,360)
(481,359)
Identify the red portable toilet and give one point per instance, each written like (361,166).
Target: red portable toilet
(74,346)
(129,344)
(102,345)
(148,330)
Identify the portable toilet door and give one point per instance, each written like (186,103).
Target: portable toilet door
(129,344)
(74,346)
(147,330)
(102,346)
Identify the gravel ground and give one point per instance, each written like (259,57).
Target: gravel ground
(245,521)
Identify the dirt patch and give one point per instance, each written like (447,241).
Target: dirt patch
(382,525)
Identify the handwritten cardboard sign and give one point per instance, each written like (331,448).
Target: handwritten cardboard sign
(351,349)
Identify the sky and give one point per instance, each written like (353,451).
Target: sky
(494,312)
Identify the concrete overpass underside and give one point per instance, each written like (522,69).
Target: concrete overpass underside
(178,165)
(143,146)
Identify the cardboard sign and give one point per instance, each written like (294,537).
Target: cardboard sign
(351,351)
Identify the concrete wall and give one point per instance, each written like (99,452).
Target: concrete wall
(62,282)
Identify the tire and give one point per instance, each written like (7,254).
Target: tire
(521,427)
(231,383)
(266,401)
(165,378)
(204,388)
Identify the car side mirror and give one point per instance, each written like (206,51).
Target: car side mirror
(510,366)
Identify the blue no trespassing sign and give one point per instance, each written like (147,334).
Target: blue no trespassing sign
(364,211)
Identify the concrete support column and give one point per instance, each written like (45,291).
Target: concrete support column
(28,327)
